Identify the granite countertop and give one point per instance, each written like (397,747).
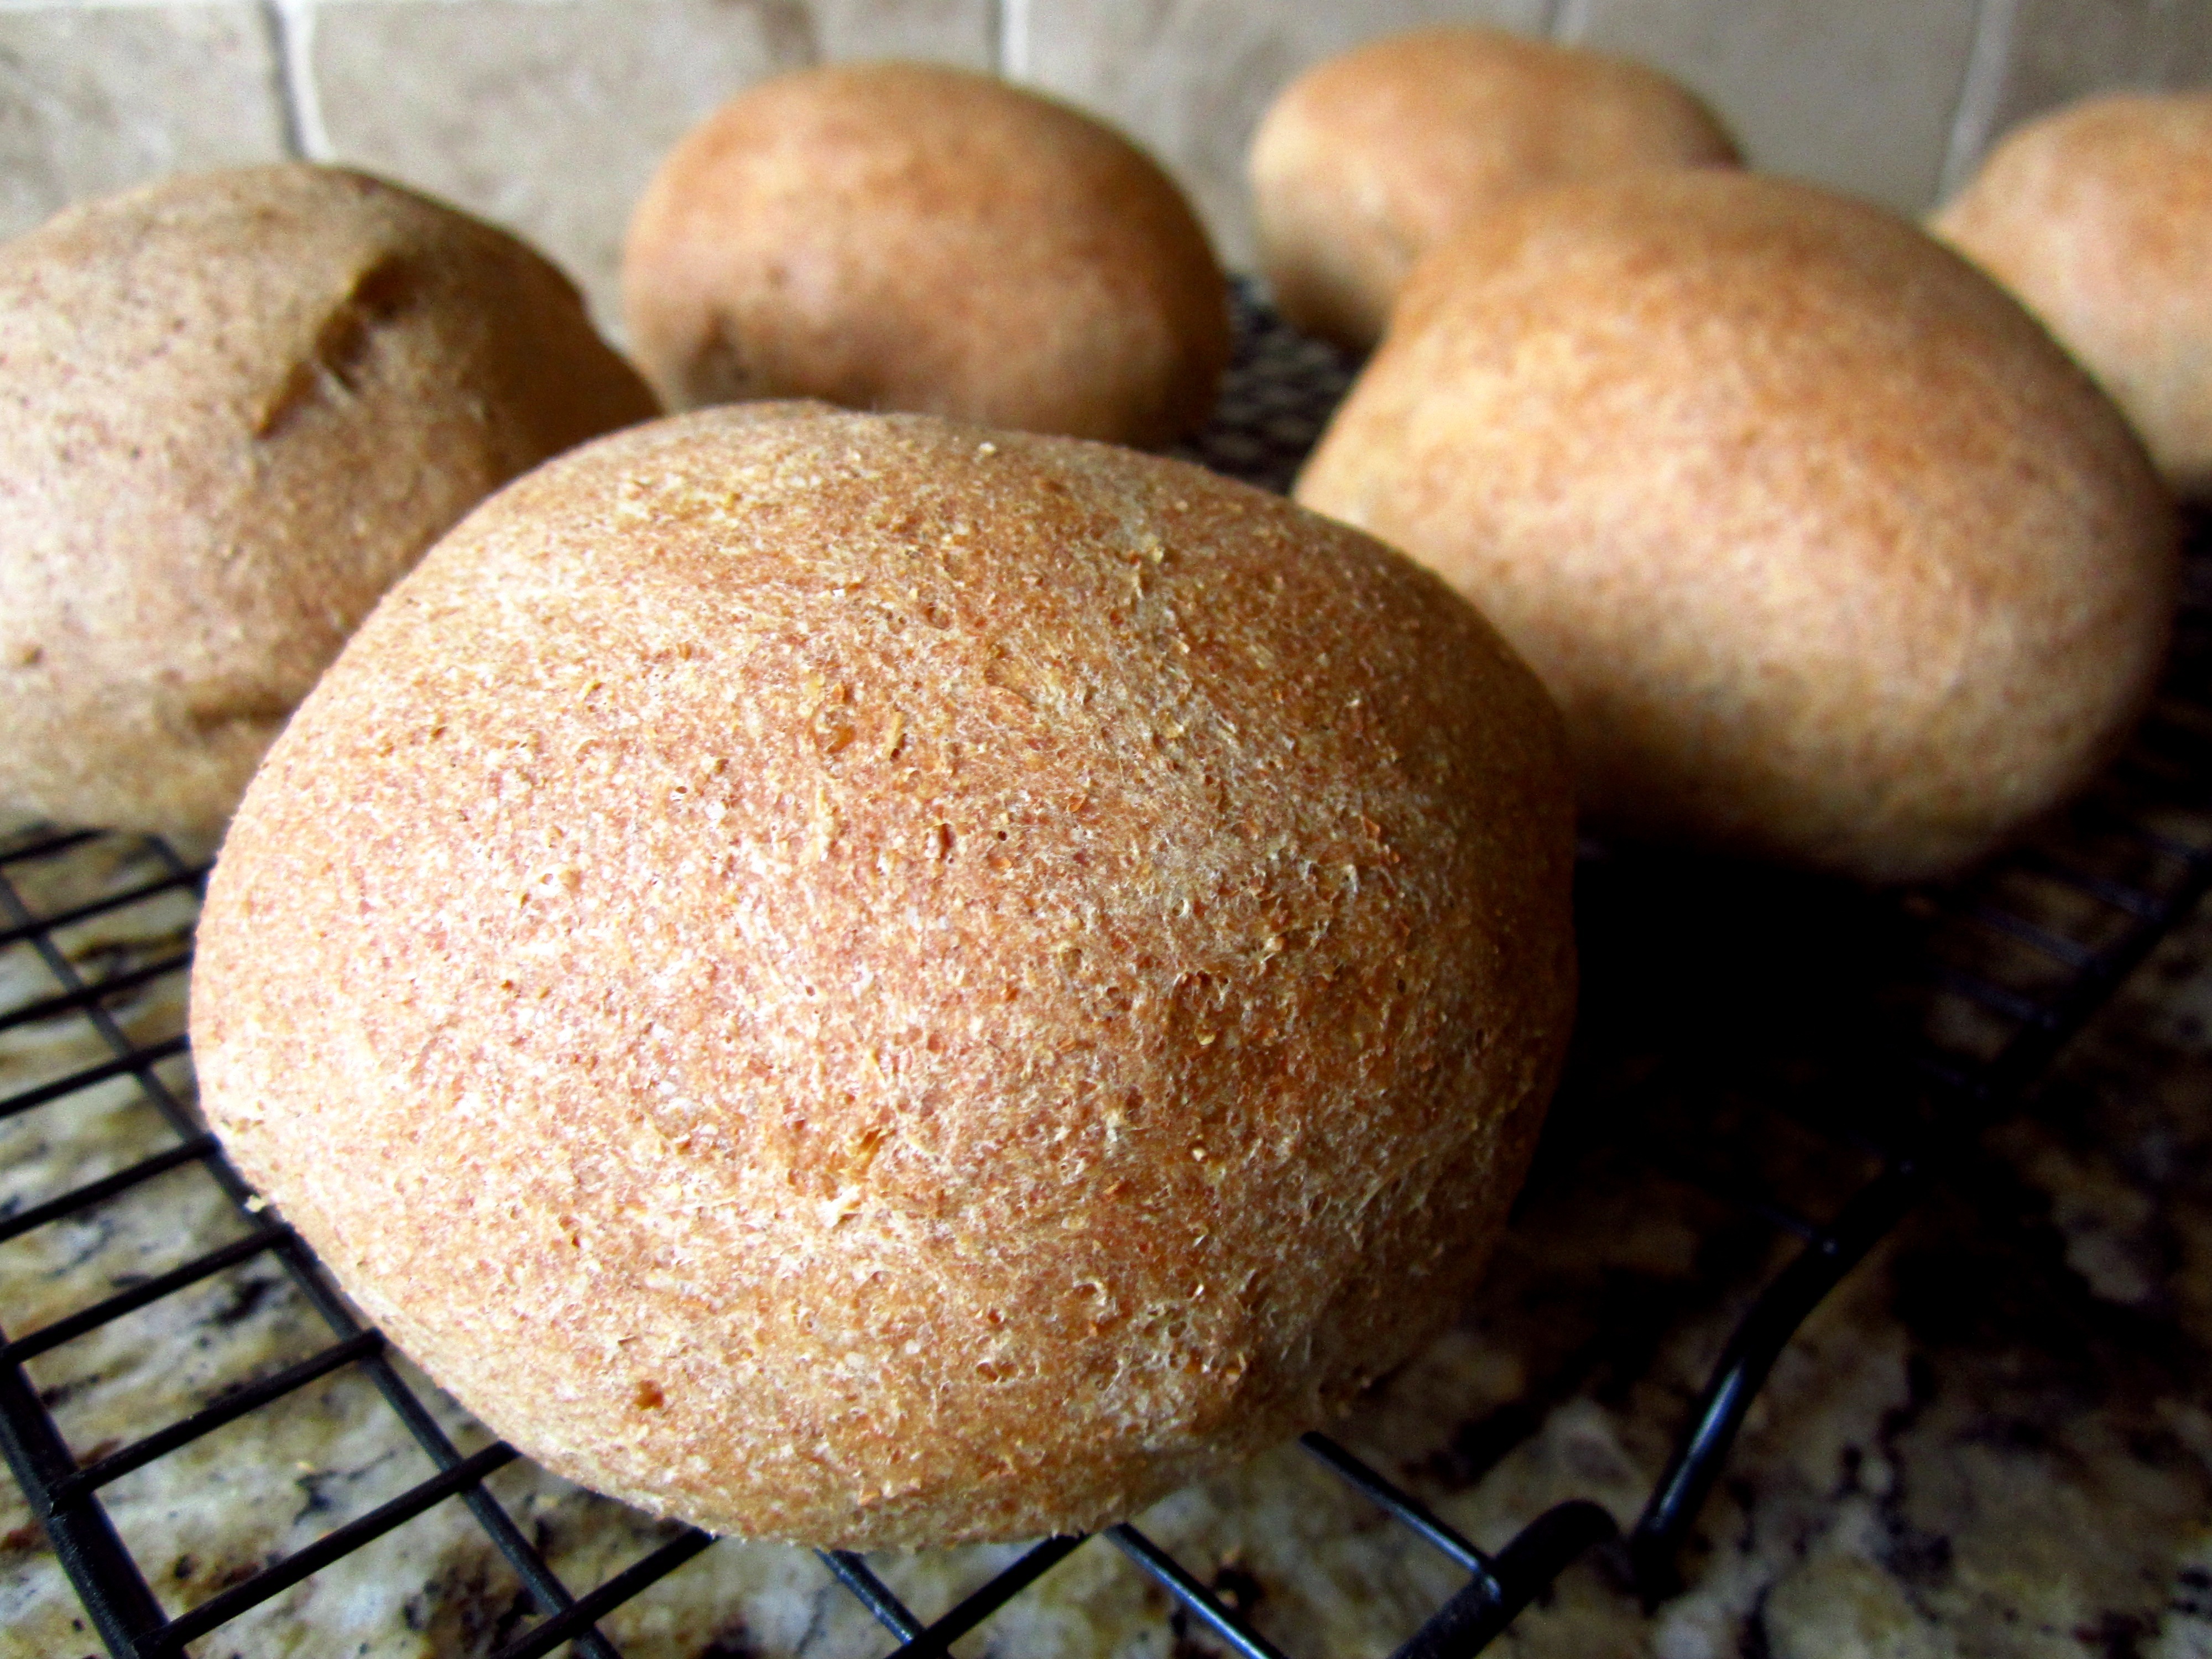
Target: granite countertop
(1996,1437)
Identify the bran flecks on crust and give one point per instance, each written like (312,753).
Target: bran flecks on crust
(875,981)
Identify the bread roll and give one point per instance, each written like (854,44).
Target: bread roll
(1370,159)
(2099,218)
(1828,554)
(234,408)
(900,236)
(868,981)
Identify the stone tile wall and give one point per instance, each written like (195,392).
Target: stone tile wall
(1855,92)
(547,115)
(93,98)
(2033,54)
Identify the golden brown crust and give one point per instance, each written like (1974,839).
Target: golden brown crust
(1370,159)
(1826,551)
(2099,218)
(864,980)
(902,236)
(234,408)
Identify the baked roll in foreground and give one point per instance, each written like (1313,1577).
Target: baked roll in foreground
(1828,553)
(234,408)
(874,981)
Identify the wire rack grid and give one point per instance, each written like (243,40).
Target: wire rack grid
(2136,857)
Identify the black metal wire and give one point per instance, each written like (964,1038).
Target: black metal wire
(95,1192)
(107,1579)
(1282,389)
(32,1013)
(115,1594)
(578,1619)
(47,1337)
(221,1607)
(973,1609)
(1195,1596)
(1756,1342)
(1539,1553)
(31,928)
(232,1407)
(137,1062)
(1403,1507)
(852,1571)
(2045,1025)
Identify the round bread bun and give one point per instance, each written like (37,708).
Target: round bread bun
(234,407)
(2099,218)
(1370,159)
(902,236)
(875,981)
(1828,554)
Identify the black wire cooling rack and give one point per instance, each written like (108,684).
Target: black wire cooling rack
(2131,862)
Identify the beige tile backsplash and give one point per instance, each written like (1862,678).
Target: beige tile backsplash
(962,32)
(2037,54)
(547,115)
(94,98)
(1858,94)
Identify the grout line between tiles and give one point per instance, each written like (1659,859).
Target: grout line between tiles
(1014,38)
(1980,88)
(293,22)
(1001,26)
(288,101)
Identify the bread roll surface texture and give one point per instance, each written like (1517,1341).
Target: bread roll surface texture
(904,236)
(234,408)
(2099,217)
(874,981)
(1370,158)
(1828,554)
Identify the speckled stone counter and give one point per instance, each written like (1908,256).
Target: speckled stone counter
(1995,1438)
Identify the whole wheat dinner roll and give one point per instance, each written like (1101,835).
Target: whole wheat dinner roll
(902,236)
(234,408)
(1828,552)
(2099,218)
(869,981)
(1370,159)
